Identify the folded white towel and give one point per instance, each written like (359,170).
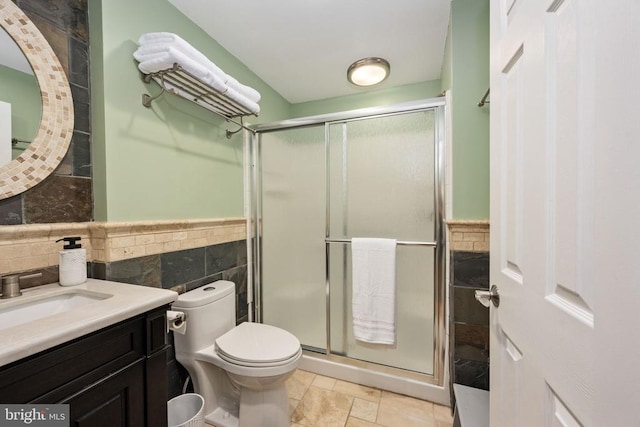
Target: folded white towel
(374,290)
(165,60)
(160,36)
(160,50)
(149,50)
(247,91)
(243,100)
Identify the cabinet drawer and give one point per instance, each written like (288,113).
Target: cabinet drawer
(50,376)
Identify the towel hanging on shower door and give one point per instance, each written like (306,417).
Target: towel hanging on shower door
(374,290)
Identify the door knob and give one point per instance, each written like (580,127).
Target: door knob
(492,295)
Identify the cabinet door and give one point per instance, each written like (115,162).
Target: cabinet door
(116,401)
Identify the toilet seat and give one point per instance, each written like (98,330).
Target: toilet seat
(257,345)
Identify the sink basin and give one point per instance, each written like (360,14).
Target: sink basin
(20,312)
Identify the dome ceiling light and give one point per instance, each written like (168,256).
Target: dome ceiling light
(368,71)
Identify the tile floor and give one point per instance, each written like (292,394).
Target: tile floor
(319,401)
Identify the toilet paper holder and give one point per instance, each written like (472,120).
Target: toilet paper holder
(176,321)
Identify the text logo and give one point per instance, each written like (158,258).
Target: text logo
(34,415)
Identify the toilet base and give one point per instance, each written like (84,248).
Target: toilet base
(258,408)
(264,408)
(221,417)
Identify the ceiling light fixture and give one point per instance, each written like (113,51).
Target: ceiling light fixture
(368,71)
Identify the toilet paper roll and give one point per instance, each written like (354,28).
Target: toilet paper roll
(176,321)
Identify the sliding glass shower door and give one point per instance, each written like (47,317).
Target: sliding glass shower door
(381,184)
(320,185)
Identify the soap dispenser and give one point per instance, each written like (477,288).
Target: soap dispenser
(73,262)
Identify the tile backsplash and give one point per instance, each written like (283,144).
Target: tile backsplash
(179,255)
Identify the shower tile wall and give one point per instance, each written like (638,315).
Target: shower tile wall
(66,195)
(469,322)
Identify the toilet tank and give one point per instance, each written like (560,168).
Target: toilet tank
(210,312)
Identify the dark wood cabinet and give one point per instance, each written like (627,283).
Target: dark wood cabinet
(116,376)
(116,401)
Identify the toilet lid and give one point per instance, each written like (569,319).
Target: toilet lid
(256,343)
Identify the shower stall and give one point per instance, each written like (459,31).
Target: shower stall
(317,183)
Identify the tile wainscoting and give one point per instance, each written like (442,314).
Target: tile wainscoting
(469,320)
(178,255)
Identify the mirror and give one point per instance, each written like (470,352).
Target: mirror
(20,101)
(51,141)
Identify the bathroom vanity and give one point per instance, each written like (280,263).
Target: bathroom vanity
(105,355)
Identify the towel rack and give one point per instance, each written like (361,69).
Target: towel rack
(484,99)
(399,242)
(179,82)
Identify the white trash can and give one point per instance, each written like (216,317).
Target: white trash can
(186,410)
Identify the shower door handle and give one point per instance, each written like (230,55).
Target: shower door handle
(485,297)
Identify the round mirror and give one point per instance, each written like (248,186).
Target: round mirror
(51,141)
(20,101)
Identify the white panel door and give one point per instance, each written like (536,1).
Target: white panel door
(565,200)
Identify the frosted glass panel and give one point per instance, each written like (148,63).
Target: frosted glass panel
(382,185)
(293,224)
(381,177)
(414,323)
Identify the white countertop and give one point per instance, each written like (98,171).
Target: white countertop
(124,301)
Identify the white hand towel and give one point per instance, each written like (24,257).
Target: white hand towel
(374,290)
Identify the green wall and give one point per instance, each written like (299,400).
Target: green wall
(171,161)
(466,73)
(22,92)
(371,98)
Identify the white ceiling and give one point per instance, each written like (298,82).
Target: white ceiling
(302,48)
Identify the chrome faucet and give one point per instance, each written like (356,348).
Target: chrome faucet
(11,284)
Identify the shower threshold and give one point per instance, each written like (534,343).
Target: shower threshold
(410,383)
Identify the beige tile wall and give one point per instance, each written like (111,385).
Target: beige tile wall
(28,247)
(468,235)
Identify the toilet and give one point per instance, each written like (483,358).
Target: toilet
(241,370)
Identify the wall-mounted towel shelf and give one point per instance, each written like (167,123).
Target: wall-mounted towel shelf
(181,83)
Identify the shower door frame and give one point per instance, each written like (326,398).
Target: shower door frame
(255,304)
